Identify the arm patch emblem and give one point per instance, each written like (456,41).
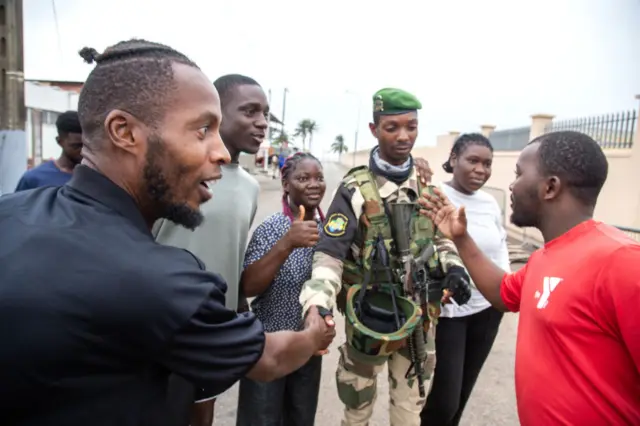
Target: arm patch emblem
(336,225)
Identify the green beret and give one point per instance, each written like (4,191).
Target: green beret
(390,101)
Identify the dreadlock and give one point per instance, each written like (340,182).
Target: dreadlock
(462,143)
(134,76)
(290,164)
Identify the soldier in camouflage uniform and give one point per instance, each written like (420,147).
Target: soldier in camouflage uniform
(340,262)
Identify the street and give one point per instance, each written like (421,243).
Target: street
(493,400)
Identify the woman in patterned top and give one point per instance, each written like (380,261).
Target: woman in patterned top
(277,262)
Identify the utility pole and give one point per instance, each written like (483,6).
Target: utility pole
(355,141)
(268,139)
(284,110)
(284,106)
(13,146)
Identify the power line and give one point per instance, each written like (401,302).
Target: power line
(55,19)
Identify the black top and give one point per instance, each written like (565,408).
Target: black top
(94,314)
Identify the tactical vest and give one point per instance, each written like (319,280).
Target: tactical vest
(373,222)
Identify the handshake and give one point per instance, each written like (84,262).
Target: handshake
(321,328)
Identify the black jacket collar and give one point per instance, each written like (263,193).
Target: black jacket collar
(100,188)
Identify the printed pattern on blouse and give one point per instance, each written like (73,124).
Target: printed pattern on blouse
(278,307)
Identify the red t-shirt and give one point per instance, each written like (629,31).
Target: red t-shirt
(578,348)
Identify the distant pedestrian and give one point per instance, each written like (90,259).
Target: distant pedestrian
(58,172)
(465,333)
(278,261)
(275,166)
(578,346)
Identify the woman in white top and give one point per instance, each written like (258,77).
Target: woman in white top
(465,334)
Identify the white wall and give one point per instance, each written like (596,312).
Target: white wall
(50,100)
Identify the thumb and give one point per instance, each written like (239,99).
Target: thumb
(301,213)
(462,214)
(329,321)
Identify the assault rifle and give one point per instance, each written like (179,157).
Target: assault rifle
(418,283)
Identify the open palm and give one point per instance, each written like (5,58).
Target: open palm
(451,222)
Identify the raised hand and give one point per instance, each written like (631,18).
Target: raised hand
(424,170)
(323,329)
(451,222)
(303,233)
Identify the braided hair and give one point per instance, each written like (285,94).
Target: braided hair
(135,76)
(290,164)
(462,143)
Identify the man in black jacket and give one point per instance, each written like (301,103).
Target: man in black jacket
(95,313)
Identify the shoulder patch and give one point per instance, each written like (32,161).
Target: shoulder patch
(336,225)
(355,169)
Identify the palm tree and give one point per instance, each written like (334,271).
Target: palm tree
(312,127)
(339,146)
(301,132)
(306,128)
(280,137)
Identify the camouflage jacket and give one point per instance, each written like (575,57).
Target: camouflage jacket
(342,239)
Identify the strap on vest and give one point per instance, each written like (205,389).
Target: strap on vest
(369,190)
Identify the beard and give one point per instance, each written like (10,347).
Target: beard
(525,215)
(161,194)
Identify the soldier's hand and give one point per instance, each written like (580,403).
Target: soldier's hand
(456,285)
(303,233)
(323,329)
(450,221)
(424,170)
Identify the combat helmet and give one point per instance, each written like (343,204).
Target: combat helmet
(379,322)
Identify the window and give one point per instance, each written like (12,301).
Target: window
(3,15)
(3,47)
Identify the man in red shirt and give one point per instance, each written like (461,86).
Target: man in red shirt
(578,346)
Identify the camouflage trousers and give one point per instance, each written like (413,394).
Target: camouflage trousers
(357,383)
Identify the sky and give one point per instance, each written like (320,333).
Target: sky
(470,62)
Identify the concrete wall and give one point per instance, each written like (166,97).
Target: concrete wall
(13,154)
(44,103)
(49,98)
(619,201)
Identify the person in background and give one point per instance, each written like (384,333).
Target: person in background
(578,345)
(275,166)
(221,240)
(277,263)
(58,172)
(465,333)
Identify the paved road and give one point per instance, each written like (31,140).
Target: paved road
(493,399)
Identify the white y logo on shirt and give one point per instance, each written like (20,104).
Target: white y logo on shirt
(548,285)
